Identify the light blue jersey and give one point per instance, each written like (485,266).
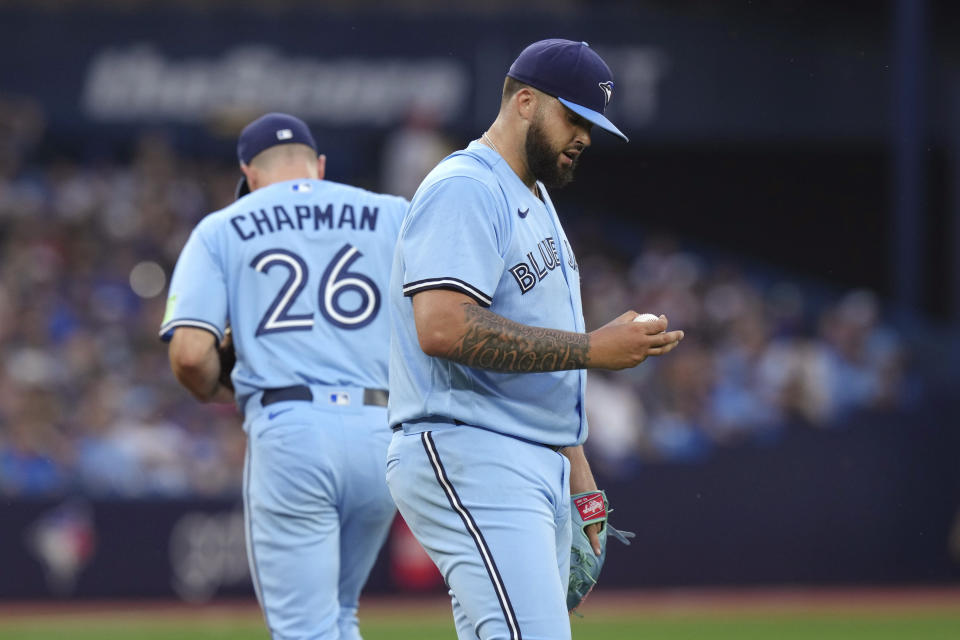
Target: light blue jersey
(298,269)
(475,227)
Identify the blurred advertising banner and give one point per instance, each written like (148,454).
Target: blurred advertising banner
(191,550)
(142,83)
(874,503)
(78,548)
(678,75)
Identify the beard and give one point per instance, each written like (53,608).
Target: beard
(543,160)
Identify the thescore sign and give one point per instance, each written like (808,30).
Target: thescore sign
(141,83)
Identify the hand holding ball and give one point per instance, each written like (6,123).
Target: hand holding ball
(647,317)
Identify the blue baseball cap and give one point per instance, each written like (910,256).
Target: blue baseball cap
(268,131)
(573,73)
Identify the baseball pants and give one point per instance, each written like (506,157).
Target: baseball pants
(493,513)
(317,510)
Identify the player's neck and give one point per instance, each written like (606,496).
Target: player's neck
(510,148)
(281,174)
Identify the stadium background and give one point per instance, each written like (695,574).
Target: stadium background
(790,197)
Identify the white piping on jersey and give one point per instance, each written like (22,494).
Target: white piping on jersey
(475,534)
(447,282)
(199,324)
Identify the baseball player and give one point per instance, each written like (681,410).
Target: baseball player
(489,351)
(298,269)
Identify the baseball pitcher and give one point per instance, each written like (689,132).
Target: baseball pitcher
(489,350)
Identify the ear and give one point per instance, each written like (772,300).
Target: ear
(526,103)
(252,176)
(321,166)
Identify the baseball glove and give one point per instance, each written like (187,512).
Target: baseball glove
(228,358)
(586,509)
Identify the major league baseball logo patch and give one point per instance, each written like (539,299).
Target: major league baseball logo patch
(340,398)
(591,506)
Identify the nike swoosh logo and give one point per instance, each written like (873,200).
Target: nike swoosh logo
(274,414)
(523,214)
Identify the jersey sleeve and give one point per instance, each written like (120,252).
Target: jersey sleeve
(198,292)
(452,240)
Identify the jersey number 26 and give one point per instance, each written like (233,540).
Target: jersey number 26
(337,280)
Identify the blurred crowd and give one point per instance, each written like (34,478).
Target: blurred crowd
(87,400)
(760,355)
(88,404)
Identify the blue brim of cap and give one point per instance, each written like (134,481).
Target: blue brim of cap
(596,118)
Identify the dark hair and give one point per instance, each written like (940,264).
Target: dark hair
(510,87)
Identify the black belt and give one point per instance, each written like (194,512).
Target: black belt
(371,397)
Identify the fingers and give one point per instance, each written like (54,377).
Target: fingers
(659,351)
(594,539)
(654,327)
(624,318)
(673,336)
(668,342)
(651,327)
(666,338)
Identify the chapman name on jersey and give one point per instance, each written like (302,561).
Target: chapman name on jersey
(315,217)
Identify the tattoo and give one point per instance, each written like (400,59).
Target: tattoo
(498,344)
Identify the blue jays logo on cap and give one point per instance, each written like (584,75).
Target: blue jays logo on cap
(607,88)
(571,72)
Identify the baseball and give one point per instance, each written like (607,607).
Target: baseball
(646,317)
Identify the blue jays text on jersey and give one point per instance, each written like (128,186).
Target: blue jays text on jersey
(529,273)
(290,268)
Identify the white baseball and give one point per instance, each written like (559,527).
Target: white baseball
(646,317)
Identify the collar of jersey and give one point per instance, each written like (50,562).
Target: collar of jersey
(498,163)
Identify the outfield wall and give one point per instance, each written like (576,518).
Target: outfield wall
(875,502)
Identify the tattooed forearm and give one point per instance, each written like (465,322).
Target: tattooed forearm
(496,343)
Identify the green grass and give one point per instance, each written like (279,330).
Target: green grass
(778,627)
(433,626)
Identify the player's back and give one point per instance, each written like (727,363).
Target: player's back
(307,263)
